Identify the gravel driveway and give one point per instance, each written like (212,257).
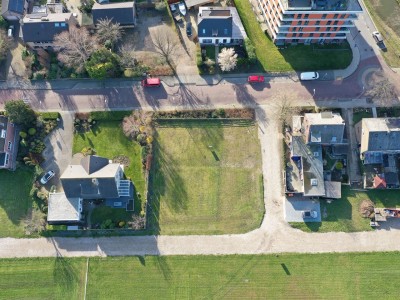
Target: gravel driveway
(58,152)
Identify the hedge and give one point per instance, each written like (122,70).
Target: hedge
(110,115)
(50,115)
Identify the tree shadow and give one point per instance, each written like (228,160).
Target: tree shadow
(163,266)
(65,274)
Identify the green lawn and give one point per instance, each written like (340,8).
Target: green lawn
(109,141)
(14,200)
(102,213)
(358,116)
(283,276)
(206,178)
(42,278)
(343,214)
(297,58)
(386,16)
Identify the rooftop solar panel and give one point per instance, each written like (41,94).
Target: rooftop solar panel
(16,6)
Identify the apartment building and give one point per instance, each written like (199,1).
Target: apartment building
(308,21)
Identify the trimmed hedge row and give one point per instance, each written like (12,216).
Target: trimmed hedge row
(110,115)
(50,115)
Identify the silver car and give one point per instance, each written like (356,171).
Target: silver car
(46,177)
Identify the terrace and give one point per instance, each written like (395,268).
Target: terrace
(323,5)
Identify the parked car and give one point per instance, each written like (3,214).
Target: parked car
(309,214)
(309,76)
(46,177)
(189,29)
(379,40)
(149,82)
(255,79)
(10,31)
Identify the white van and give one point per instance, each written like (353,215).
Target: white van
(10,31)
(309,76)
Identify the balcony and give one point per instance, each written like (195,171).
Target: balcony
(322,5)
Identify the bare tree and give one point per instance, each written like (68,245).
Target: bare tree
(382,90)
(138,222)
(5,44)
(75,46)
(107,30)
(128,57)
(285,108)
(227,59)
(166,44)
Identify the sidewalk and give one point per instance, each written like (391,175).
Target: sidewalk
(204,80)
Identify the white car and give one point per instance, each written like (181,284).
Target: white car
(309,214)
(46,177)
(182,8)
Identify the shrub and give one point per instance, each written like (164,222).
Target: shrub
(141,138)
(339,165)
(160,6)
(250,50)
(88,151)
(31,131)
(121,224)
(23,134)
(39,76)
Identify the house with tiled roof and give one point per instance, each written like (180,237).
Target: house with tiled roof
(93,178)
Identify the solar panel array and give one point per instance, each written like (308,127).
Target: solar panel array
(16,6)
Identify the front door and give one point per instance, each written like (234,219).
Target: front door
(216,41)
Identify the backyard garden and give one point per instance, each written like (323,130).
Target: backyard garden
(344,214)
(203,181)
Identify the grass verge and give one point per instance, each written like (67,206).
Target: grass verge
(343,214)
(203,180)
(287,276)
(14,200)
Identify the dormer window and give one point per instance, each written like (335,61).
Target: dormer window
(225,31)
(3,134)
(215,32)
(204,31)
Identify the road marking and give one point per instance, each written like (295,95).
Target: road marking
(86,279)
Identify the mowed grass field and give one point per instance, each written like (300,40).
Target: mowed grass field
(14,200)
(206,178)
(343,214)
(302,276)
(109,141)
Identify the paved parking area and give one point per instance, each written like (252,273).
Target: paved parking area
(294,207)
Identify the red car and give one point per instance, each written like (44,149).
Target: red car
(151,82)
(255,78)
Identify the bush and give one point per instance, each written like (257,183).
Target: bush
(23,134)
(160,6)
(250,50)
(31,131)
(88,151)
(39,76)
(103,64)
(141,139)
(339,165)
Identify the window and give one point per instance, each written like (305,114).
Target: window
(323,17)
(56,24)
(294,34)
(306,16)
(317,29)
(63,24)
(225,31)
(329,23)
(335,16)
(298,22)
(9,145)
(328,34)
(295,40)
(335,23)
(3,133)
(317,23)
(300,34)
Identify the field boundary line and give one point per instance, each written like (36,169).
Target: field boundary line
(86,277)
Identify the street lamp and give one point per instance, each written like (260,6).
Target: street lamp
(356,35)
(313,93)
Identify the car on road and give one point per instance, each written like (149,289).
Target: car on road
(189,29)
(255,79)
(379,40)
(150,82)
(46,177)
(309,214)
(309,76)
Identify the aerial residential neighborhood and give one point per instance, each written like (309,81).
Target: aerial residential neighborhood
(184,149)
